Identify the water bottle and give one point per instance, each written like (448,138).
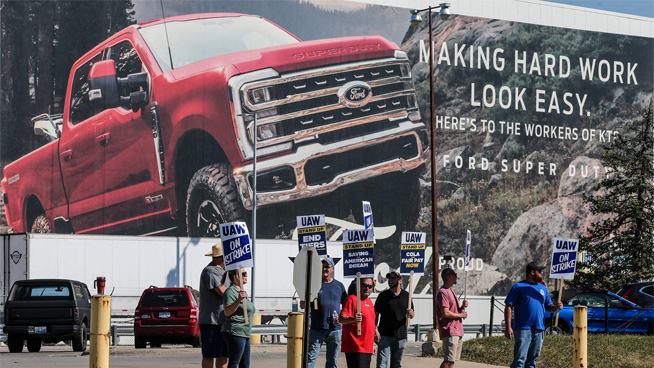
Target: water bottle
(294,305)
(335,318)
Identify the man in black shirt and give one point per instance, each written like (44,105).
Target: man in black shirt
(392,309)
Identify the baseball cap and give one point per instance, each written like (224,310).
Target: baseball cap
(533,266)
(329,260)
(216,250)
(393,274)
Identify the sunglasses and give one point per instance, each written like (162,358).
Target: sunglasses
(366,286)
(244,273)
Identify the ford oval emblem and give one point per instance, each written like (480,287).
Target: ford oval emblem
(355,94)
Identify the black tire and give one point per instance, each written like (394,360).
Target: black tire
(15,343)
(155,344)
(79,339)
(212,199)
(195,342)
(33,345)
(41,225)
(140,342)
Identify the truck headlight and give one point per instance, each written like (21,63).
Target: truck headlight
(270,131)
(260,95)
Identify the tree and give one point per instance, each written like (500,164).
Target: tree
(621,247)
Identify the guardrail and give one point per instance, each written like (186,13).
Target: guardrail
(118,330)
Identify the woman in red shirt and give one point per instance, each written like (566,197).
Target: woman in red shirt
(359,349)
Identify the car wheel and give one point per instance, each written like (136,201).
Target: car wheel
(79,339)
(41,225)
(212,199)
(195,342)
(15,343)
(140,342)
(33,345)
(155,344)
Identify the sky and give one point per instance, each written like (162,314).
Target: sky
(643,8)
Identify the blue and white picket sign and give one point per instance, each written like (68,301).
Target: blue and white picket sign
(367,219)
(311,233)
(237,248)
(412,253)
(564,258)
(468,241)
(358,253)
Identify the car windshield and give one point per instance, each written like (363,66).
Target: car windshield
(195,40)
(41,292)
(165,298)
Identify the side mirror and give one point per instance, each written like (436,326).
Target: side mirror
(44,126)
(138,83)
(104,85)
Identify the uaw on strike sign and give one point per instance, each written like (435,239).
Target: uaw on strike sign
(311,233)
(564,258)
(237,248)
(412,253)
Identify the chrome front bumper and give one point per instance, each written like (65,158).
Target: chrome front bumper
(298,160)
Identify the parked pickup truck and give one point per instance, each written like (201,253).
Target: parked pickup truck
(47,310)
(160,123)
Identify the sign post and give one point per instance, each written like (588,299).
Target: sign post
(467,266)
(237,251)
(412,258)
(307,280)
(564,263)
(358,259)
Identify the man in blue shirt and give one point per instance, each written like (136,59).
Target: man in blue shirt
(531,300)
(324,320)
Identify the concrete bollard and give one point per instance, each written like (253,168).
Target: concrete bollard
(256,321)
(294,341)
(580,337)
(100,331)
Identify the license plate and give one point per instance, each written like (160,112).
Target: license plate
(164,314)
(40,330)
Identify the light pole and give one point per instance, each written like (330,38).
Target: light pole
(444,14)
(254,196)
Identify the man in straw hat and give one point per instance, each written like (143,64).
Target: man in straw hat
(212,315)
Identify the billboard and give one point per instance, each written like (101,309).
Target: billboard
(155,134)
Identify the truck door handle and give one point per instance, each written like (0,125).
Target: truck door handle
(67,155)
(103,139)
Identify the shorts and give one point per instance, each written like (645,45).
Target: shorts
(452,348)
(213,344)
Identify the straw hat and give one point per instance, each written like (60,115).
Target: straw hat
(216,250)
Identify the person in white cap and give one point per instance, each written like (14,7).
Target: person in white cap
(212,315)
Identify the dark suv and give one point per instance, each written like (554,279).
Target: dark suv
(49,310)
(641,293)
(167,315)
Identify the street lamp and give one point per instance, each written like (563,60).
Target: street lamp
(416,19)
(254,197)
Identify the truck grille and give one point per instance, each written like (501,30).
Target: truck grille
(305,105)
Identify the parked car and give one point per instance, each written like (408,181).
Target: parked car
(641,293)
(624,316)
(167,315)
(47,310)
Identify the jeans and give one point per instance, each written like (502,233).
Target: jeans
(238,351)
(390,346)
(333,340)
(527,348)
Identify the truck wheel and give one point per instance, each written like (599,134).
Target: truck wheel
(195,342)
(79,339)
(15,343)
(212,199)
(41,225)
(140,342)
(155,343)
(33,345)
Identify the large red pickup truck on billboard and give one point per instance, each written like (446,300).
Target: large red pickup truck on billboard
(154,129)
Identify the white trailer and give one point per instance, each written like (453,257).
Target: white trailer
(132,264)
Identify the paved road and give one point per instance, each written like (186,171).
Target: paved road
(171,356)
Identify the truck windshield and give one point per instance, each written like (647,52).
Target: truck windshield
(42,292)
(195,40)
